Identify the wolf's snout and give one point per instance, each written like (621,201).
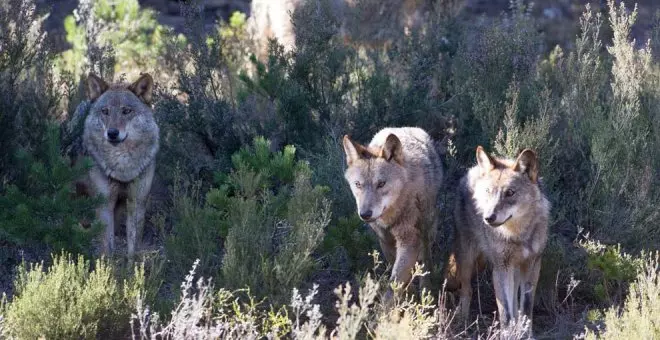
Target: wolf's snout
(113,134)
(366,215)
(490,219)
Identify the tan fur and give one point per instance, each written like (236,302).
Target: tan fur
(403,209)
(512,240)
(123,167)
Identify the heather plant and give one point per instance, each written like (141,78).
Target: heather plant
(197,109)
(259,216)
(273,230)
(490,58)
(615,268)
(638,317)
(265,216)
(204,313)
(28,89)
(71,299)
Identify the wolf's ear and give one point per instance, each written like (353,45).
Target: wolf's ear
(143,88)
(354,151)
(527,163)
(95,87)
(485,161)
(392,150)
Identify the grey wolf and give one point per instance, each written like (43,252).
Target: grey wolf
(501,219)
(395,182)
(122,138)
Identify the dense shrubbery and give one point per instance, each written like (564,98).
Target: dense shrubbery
(69,299)
(270,215)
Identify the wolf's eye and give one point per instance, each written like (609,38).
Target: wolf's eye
(380,184)
(126,110)
(105,111)
(509,193)
(358,184)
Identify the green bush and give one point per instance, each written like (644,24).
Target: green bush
(265,216)
(40,206)
(276,221)
(70,300)
(615,268)
(639,315)
(29,96)
(122,33)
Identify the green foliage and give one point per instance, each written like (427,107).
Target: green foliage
(70,300)
(197,229)
(205,313)
(40,207)
(266,213)
(351,236)
(121,28)
(273,168)
(273,229)
(615,268)
(28,96)
(489,59)
(638,318)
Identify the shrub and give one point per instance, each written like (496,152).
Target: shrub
(615,268)
(638,318)
(121,30)
(197,110)
(28,96)
(205,313)
(70,300)
(274,229)
(40,207)
(265,214)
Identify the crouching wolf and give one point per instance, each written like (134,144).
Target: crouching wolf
(395,182)
(121,136)
(501,217)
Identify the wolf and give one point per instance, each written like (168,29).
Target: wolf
(395,182)
(121,136)
(501,219)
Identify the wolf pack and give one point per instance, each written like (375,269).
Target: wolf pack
(500,212)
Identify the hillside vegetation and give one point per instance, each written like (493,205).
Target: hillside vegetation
(251,229)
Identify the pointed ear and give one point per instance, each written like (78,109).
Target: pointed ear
(352,150)
(95,87)
(392,150)
(485,161)
(143,88)
(527,163)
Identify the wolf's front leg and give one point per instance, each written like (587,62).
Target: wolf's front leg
(406,256)
(136,206)
(135,209)
(504,282)
(106,214)
(529,281)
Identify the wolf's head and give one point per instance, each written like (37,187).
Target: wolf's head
(376,175)
(119,109)
(504,190)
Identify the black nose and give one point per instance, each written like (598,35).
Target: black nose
(366,215)
(113,133)
(490,219)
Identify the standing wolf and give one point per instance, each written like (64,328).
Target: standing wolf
(395,182)
(502,217)
(121,136)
